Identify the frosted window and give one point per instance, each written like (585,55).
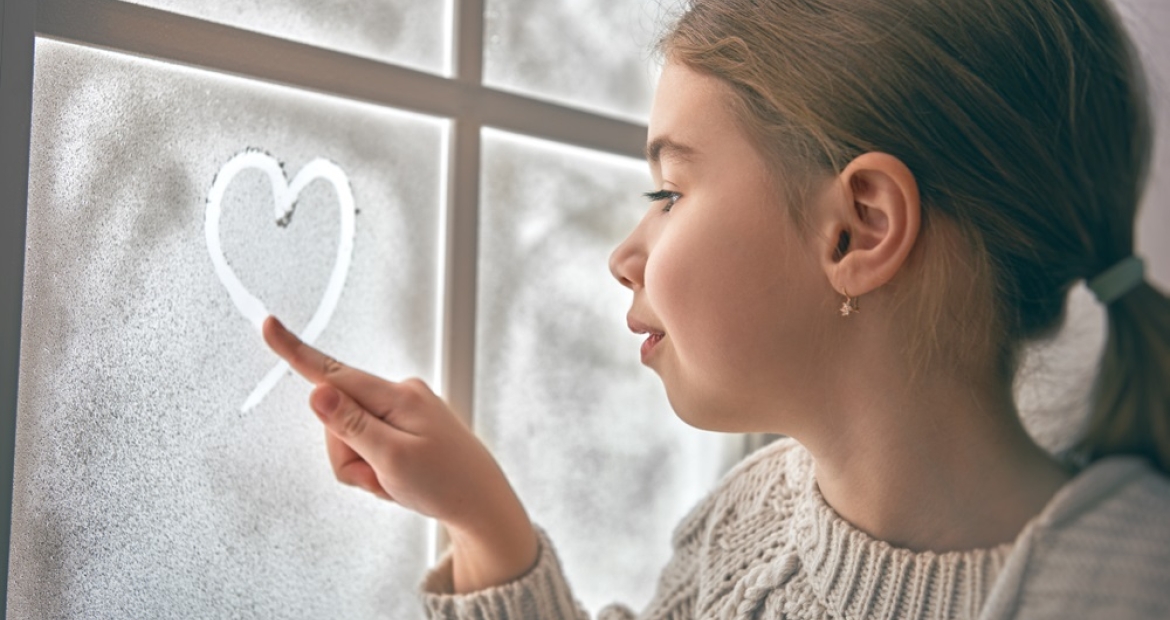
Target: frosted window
(1149,25)
(142,489)
(579,52)
(405,32)
(582,429)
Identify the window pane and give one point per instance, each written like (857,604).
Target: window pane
(1055,380)
(1148,22)
(142,489)
(580,52)
(405,32)
(583,430)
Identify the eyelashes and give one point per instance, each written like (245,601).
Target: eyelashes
(663,194)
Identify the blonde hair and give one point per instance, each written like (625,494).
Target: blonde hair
(1026,125)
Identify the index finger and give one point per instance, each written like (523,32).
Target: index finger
(320,368)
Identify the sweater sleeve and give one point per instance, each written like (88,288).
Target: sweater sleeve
(544,594)
(540,593)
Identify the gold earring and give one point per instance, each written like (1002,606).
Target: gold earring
(850,305)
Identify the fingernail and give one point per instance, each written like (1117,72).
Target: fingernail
(325,400)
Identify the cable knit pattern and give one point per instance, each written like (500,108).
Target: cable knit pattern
(766,545)
(859,577)
(542,593)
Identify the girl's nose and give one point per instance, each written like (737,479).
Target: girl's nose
(627,263)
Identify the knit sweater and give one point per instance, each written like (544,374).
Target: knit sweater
(765,545)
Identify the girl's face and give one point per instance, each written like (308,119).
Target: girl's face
(731,296)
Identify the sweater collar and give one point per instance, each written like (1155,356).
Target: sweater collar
(858,576)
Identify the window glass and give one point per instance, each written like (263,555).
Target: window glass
(1148,22)
(405,32)
(583,430)
(582,53)
(147,485)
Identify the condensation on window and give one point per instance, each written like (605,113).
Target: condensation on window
(582,53)
(583,430)
(1148,22)
(413,33)
(146,484)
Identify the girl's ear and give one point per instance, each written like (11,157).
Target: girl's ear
(872,229)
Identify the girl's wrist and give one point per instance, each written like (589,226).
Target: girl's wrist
(492,555)
(494,545)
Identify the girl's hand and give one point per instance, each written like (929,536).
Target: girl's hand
(402,443)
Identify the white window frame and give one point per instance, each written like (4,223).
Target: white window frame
(459,96)
(142,31)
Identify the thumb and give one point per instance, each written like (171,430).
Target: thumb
(361,430)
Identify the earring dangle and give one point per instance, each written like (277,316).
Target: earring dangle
(850,305)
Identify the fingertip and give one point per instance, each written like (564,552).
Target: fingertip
(276,335)
(325,400)
(270,328)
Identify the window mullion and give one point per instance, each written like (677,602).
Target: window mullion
(468,41)
(461,229)
(17,21)
(462,218)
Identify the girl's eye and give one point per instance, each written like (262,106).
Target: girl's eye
(663,194)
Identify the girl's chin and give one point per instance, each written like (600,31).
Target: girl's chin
(712,412)
(692,413)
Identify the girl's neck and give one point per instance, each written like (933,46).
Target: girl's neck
(940,465)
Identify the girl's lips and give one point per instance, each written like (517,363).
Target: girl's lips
(650,343)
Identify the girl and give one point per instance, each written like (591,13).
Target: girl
(863,209)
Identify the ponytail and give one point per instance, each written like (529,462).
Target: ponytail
(1131,399)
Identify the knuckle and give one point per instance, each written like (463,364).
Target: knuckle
(415,391)
(353,421)
(331,366)
(382,412)
(408,401)
(411,395)
(416,385)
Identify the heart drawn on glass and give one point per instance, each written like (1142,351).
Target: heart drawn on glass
(284,196)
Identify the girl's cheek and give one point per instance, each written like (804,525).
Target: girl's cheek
(658,264)
(652,280)
(666,282)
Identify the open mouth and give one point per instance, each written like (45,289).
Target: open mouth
(649,344)
(652,339)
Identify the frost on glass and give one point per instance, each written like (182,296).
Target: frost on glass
(1148,22)
(580,426)
(588,53)
(143,487)
(405,32)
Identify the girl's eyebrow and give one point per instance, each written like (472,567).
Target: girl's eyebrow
(663,146)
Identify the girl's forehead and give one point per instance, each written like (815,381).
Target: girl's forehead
(689,115)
